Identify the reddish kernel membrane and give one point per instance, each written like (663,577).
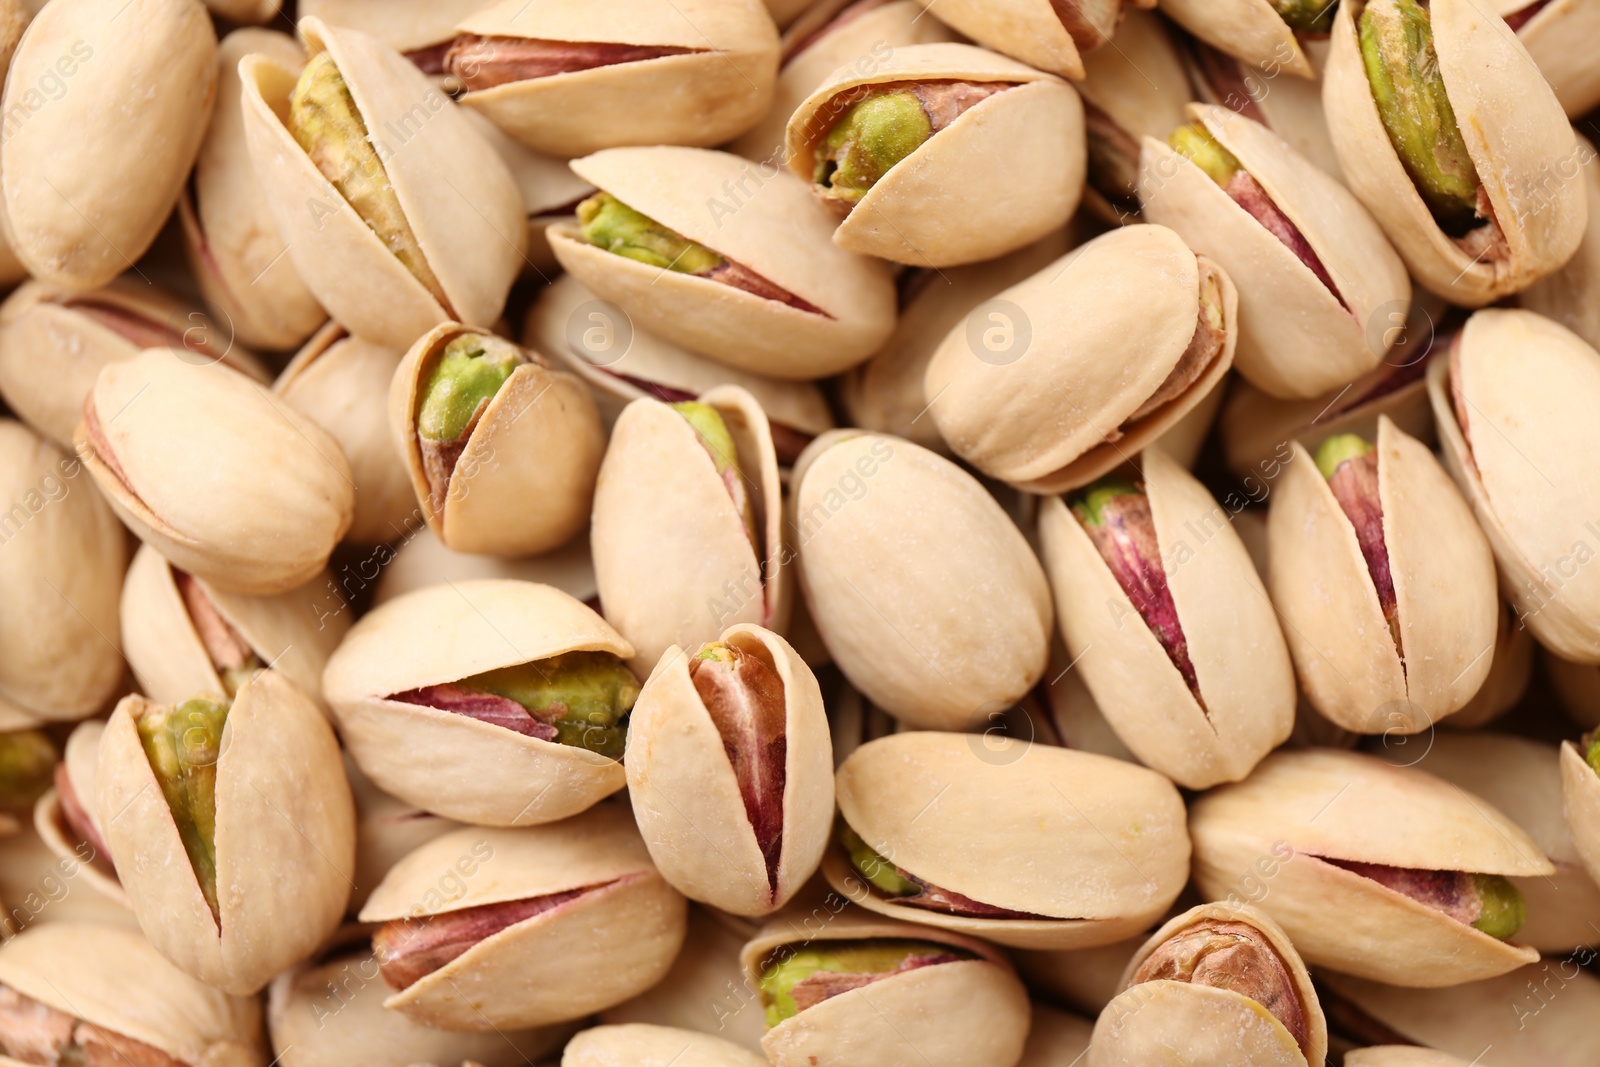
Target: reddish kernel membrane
(1350,465)
(34,1032)
(480,63)
(906,888)
(1486,902)
(794,979)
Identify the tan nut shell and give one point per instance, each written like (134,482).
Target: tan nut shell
(1580,800)
(452,764)
(938,206)
(1555,38)
(1510,671)
(112,978)
(1402,1056)
(642,1045)
(1251,30)
(774,227)
(1029,30)
(1290,107)
(81,756)
(1297,339)
(1344,805)
(1517,151)
(278,492)
(1055,1038)
(387,830)
(1568,294)
(423,561)
(564,964)
(548,187)
(970,817)
(472,232)
(1238,651)
(404,25)
(285,838)
(1444,590)
(881,526)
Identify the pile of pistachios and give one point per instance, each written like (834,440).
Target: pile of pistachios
(809,533)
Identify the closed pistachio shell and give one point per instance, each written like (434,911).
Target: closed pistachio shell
(1251,30)
(1035,31)
(278,497)
(875,569)
(405,25)
(1510,671)
(1401,1056)
(1580,800)
(79,758)
(387,830)
(1301,815)
(1290,107)
(1055,1037)
(81,204)
(422,561)
(1568,294)
(654,1046)
(1554,37)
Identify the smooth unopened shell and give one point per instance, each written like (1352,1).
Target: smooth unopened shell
(654,1046)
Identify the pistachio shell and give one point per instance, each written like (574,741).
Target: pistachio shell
(1076,719)
(1055,1037)
(404,25)
(654,1046)
(1290,107)
(1554,39)
(549,191)
(423,561)
(1509,673)
(1085,979)
(80,757)
(1568,294)
(1402,1056)
(1580,800)
(1029,30)
(387,830)
(1252,30)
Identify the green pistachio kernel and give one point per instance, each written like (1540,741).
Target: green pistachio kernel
(714,434)
(873,135)
(1195,143)
(1340,449)
(27,763)
(469,372)
(1501,910)
(1315,16)
(608,223)
(1592,752)
(874,867)
(183,745)
(1089,505)
(584,695)
(874,956)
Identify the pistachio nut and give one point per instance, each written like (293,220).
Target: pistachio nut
(1218,984)
(86,189)
(1312,267)
(67,819)
(516,684)
(1479,199)
(1401,1056)
(387,255)
(1264,34)
(1128,332)
(232,826)
(1085,979)
(1052,36)
(421,30)
(422,560)
(60,575)
(644,1045)
(768,292)
(1580,799)
(1511,405)
(550,191)
(1055,1037)
(78,992)
(387,830)
(1553,32)
(1510,670)
(1385,583)
(893,152)
(1373,870)
(278,497)
(559,922)
(1163,613)
(936,830)
(1567,294)
(933,653)
(857,990)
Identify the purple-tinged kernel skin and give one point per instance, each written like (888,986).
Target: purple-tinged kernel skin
(1350,465)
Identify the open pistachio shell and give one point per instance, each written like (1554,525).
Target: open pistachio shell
(1402,1056)
(1251,30)
(967,818)
(936,207)
(422,561)
(1524,155)
(79,759)
(654,1046)
(1554,37)
(278,492)
(1580,800)
(1242,705)
(1306,813)
(758,217)
(284,839)
(1568,294)
(1035,31)
(452,764)
(615,940)
(471,236)
(1289,107)
(1510,671)
(407,26)
(876,572)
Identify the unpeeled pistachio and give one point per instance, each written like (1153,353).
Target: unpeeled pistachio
(1042,33)
(642,1045)
(68,820)
(1263,33)
(1567,294)
(422,560)
(421,30)
(1555,32)
(1580,798)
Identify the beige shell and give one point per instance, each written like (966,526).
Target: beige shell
(1510,670)
(1251,30)
(971,817)
(1290,107)
(1055,1038)
(471,232)
(1029,30)
(1402,1056)
(1297,338)
(278,491)
(237,258)
(1075,718)
(404,25)
(112,978)
(450,764)
(1526,155)
(85,187)
(936,207)
(672,556)
(1212,1024)
(1297,808)
(549,191)
(81,757)
(285,838)
(1085,979)
(642,1045)
(599,950)
(387,830)
(881,526)
(1580,799)
(1554,38)
(1083,344)
(686,796)
(758,216)
(421,560)
(1240,660)
(1530,388)
(1568,294)
(1444,588)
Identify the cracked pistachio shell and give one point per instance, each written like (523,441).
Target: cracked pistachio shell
(875,567)
(1240,660)
(1569,294)
(592,953)
(968,816)
(278,492)
(947,1015)
(1055,1038)
(672,556)
(455,765)
(1555,38)
(1210,1023)
(935,207)
(81,756)
(1105,327)
(1510,671)
(1402,1056)
(686,794)
(1530,388)
(1298,807)
(83,197)
(404,25)
(643,1045)
(471,234)
(1580,800)
(387,830)
(759,217)
(422,560)
(62,557)
(1297,338)
(1444,585)
(235,253)
(1029,30)
(711,93)
(1526,155)
(285,838)
(112,978)
(1250,30)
